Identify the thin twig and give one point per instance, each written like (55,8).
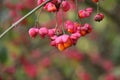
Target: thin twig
(56,19)
(98,7)
(24,17)
(63,22)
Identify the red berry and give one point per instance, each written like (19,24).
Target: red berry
(40,1)
(99,17)
(65,6)
(95,1)
(85,13)
(33,32)
(43,32)
(50,7)
(85,29)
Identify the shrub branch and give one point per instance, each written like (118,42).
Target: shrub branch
(24,17)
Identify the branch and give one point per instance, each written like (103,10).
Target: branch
(24,17)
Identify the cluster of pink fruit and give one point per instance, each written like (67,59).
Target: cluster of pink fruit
(55,5)
(71,31)
(63,41)
(85,13)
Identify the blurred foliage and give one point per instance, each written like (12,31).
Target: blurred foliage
(94,57)
(3,53)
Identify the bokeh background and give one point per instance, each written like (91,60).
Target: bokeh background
(94,57)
